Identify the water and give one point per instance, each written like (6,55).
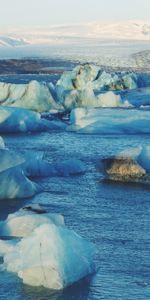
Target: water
(116,217)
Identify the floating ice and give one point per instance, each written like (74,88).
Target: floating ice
(144,158)
(14,119)
(14,184)
(91,75)
(34,96)
(7,246)
(123,169)
(77,88)
(110,121)
(2,144)
(23,222)
(40,168)
(130,165)
(53,257)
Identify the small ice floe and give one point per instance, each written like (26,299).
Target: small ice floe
(40,168)
(14,184)
(130,165)
(14,119)
(52,256)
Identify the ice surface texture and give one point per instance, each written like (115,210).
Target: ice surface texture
(14,119)
(76,88)
(110,121)
(22,223)
(58,257)
(34,96)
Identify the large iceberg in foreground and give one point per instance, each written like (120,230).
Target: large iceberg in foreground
(58,257)
(109,121)
(23,222)
(14,119)
(34,96)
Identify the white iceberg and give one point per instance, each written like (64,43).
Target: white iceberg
(7,246)
(34,96)
(14,119)
(91,75)
(14,184)
(109,121)
(53,257)
(78,87)
(23,222)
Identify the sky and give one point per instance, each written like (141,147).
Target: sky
(31,13)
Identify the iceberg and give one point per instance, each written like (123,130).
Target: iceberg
(58,257)
(14,119)
(33,96)
(109,121)
(23,222)
(79,87)
(2,144)
(130,165)
(123,169)
(85,75)
(7,246)
(39,168)
(14,184)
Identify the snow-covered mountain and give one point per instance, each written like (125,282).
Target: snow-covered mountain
(11,41)
(62,34)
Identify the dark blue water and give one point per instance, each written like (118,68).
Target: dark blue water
(116,217)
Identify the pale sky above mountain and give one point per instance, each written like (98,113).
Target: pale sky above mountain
(48,12)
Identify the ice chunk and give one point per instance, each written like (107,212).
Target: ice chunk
(23,120)
(77,88)
(23,222)
(130,165)
(144,158)
(109,121)
(40,168)
(109,100)
(7,246)
(58,258)
(2,144)
(34,96)
(14,184)
(123,169)
(89,75)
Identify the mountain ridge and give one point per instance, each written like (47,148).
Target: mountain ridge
(61,34)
